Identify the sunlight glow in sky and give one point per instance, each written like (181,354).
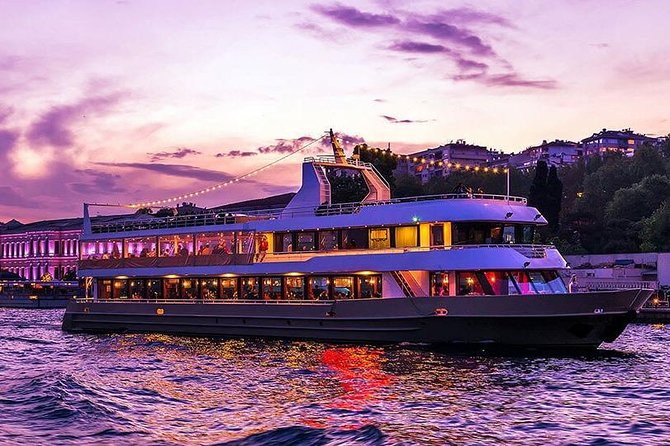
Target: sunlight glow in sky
(127,101)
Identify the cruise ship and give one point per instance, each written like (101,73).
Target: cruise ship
(458,269)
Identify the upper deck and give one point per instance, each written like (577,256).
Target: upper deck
(455,207)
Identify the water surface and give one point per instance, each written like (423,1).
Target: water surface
(60,388)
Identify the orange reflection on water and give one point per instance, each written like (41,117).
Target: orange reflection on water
(360,375)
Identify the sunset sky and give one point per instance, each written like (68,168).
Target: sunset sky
(126,101)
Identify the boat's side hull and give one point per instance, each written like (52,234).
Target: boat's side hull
(580,320)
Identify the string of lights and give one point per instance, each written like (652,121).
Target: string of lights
(177,198)
(455,166)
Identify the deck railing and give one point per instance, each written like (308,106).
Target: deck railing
(219,301)
(528,251)
(242,216)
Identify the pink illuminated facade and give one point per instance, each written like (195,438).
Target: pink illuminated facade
(35,249)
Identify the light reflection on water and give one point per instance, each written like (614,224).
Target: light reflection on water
(59,388)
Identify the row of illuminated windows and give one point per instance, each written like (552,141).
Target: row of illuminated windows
(248,242)
(170,245)
(246,288)
(498,283)
(356,238)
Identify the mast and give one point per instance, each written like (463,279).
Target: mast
(338,151)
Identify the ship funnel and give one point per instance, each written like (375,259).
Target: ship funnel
(338,151)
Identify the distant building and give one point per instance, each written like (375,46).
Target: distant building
(35,249)
(554,153)
(623,141)
(612,271)
(434,162)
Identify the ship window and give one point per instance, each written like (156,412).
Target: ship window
(554,281)
(521,283)
(317,288)
(250,288)
(546,282)
(439,283)
(171,289)
(328,240)
(525,234)
(102,249)
(154,289)
(379,238)
(370,286)
(508,234)
(305,241)
(209,288)
(245,242)
(286,242)
(120,289)
(497,282)
(229,288)
(214,243)
(271,288)
(467,284)
(136,289)
(140,247)
(104,289)
(175,245)
(406,237)
(343,287)
(295,288)
(354,238)
(189,288)
(437,235)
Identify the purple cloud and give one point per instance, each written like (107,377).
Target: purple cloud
(410,46)
(54,127)
(11,197)
(8,140)
(318,31)
(236,154)
(5,112)
(100,182)
(176,170)
(179,153)
(511,80)
(467,15)
(450,33)
(393,120)
(353,17)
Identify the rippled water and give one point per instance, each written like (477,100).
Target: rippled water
(58,388)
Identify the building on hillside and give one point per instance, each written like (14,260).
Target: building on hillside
(434,162)
(554,153)
(624,141)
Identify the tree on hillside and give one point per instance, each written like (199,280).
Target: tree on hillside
(407,186)
(554,199)
(537,196)
(383,160)
(655,230)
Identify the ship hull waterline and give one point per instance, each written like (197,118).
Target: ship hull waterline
(580,320)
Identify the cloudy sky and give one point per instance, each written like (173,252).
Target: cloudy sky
(126,101)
